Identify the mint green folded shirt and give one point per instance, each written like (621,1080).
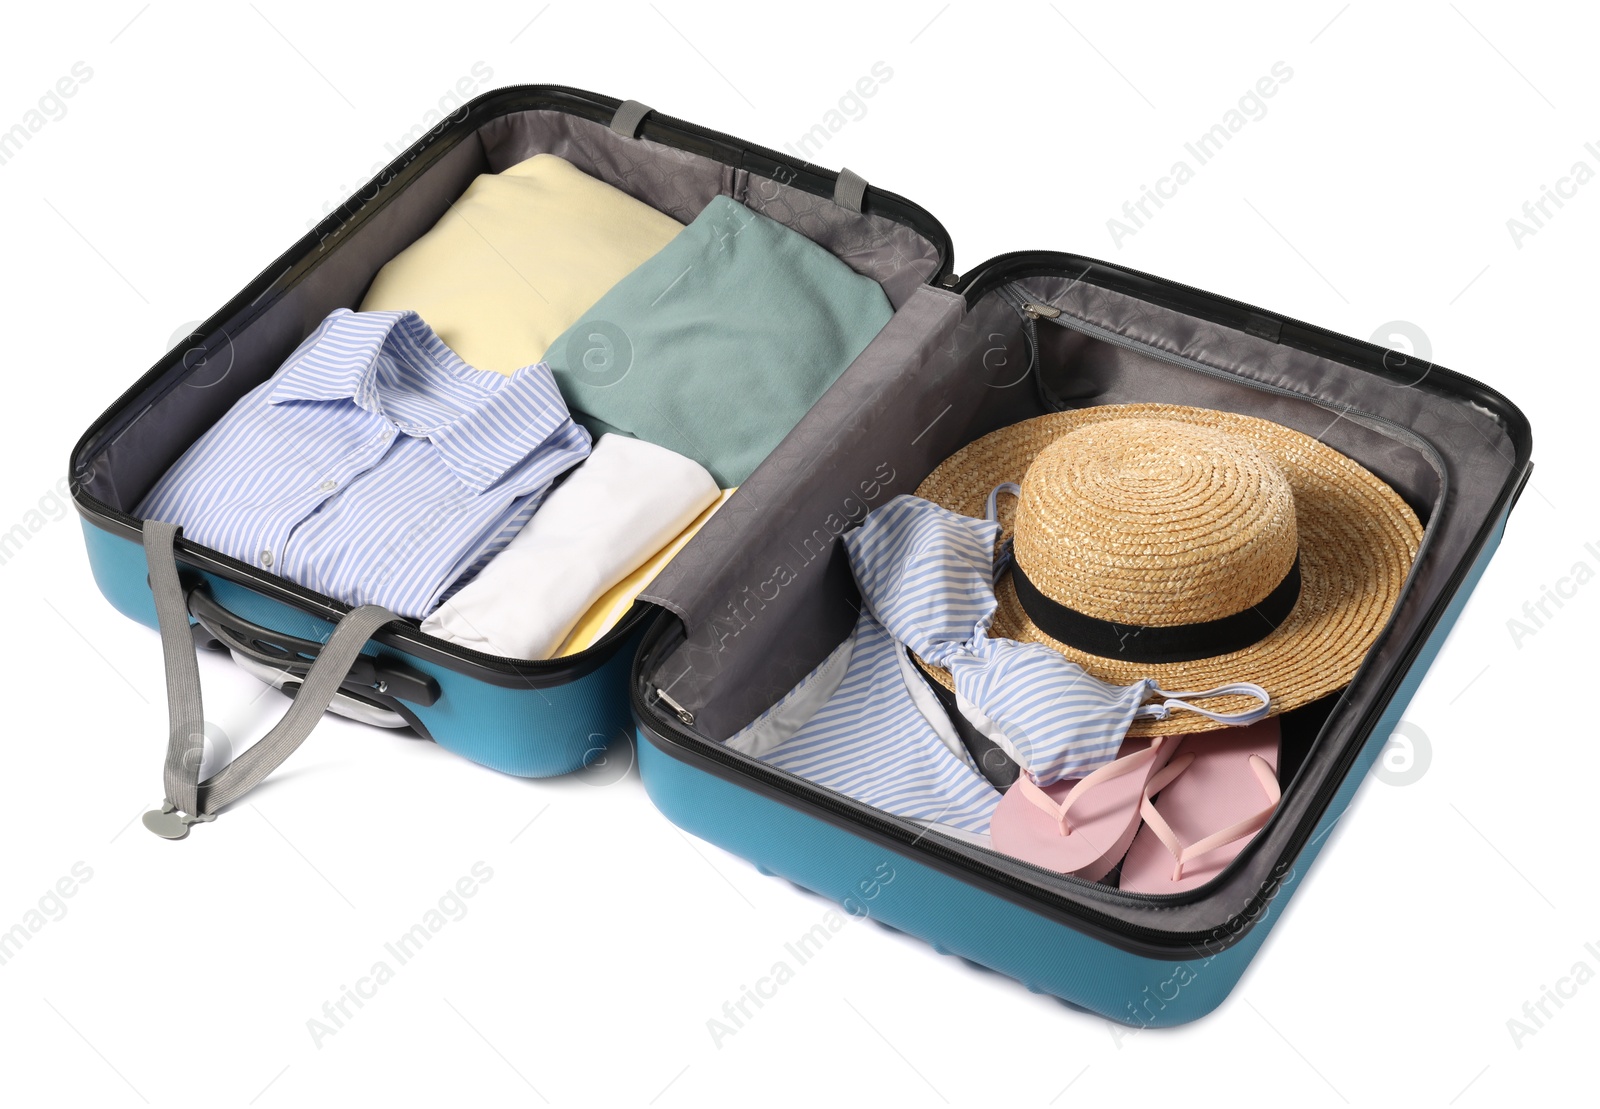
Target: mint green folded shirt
(719,343)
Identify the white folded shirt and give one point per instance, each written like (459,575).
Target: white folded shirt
(625,502)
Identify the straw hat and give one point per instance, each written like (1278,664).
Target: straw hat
(1190,546)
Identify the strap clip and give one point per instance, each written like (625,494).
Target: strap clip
(168,823)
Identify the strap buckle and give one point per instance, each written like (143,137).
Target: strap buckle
(168,823)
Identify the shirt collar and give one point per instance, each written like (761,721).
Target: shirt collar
(495,420)
(524,413)
(338,361)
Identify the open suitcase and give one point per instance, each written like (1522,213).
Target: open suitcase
(763,592)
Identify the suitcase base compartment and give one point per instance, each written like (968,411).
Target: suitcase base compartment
(896,885)
(1033,334)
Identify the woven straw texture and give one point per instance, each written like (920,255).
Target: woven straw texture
(1161,514)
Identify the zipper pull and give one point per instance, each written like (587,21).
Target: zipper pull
(1035,311)
(683,714)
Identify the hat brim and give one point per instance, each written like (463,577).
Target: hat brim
(1357,540)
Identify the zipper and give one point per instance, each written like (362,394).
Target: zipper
(678,710)
(1031,314)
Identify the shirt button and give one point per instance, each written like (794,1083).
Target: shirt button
(329,486)
(266,558)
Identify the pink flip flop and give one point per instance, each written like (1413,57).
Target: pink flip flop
(1217,790)
(1079,826)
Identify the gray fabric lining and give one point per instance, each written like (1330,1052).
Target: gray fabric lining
(673,181)
(1080,370)
(1341,395)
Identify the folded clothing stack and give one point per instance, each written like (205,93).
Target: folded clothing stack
(518,258)
(676,348)
(374,466)
(615,602)
(718,344)
(395,458)
(627,501)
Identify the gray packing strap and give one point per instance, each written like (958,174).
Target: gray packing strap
(185,716)
(629,115)
(849,190)
(187,798)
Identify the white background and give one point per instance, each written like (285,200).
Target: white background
(1376,188)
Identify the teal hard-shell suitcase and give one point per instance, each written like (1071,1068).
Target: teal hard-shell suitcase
(763,593)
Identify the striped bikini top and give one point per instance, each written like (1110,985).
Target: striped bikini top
(927,576)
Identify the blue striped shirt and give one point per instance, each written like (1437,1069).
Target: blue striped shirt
(375,466)
(872,741)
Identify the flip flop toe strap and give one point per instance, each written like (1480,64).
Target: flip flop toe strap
(1058,810)
(1248,826)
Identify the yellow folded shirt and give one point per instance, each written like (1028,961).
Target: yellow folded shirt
(614,604)
(518,258)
